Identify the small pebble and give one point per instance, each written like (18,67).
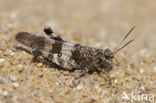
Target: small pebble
(35,92)
(115,81)
(6,53)
(39,64)
(128,90)
(5,93)
(132,66)
(20,65)
(2,60)
(57,83)
(141,70)
(13,78)
(153,78)
(98,89)
(79,87)
(12,53)
(95,97)
(16,84)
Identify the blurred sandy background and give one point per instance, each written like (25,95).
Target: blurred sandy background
(96,23)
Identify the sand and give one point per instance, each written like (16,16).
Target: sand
(95,23)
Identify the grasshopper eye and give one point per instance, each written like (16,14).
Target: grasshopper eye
(108,54)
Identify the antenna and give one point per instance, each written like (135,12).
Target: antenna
(116,49)
(123,46)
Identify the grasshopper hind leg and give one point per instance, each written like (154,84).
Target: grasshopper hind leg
(51,34)
(23,49)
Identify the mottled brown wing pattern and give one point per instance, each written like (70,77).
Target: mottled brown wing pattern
(34,41)
(56,51)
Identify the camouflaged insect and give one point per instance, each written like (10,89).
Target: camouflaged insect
(56,51)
